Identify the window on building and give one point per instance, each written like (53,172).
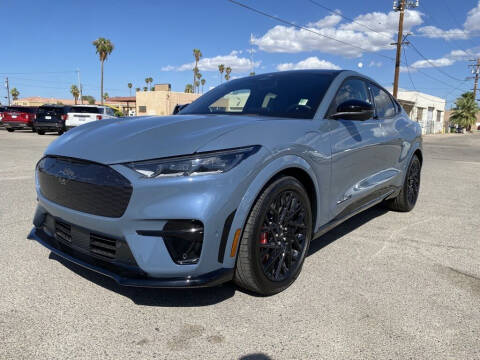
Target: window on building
(439,115)
(420,114)
(430,114)
(142,109)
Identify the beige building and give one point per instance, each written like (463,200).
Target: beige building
(162,101)
(39,101)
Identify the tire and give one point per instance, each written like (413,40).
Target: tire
(60,132)
(260,253)
(407,198)
(41,132)
(10,130)
(34,130)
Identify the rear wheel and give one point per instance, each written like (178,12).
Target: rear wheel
(41,132)
(10,130)
(60,132)
(407,198)
(276,238)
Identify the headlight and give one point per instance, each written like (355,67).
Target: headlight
(200,164)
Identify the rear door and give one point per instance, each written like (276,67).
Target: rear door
(354,147)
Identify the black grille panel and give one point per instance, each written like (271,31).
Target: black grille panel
(84,186)
(63,231)
(103,246)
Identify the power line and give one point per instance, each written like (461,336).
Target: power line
(37,72)
(408,69)
(304,28)
(389,37)
(433,65)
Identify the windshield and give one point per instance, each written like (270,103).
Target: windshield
(283,94)
(85,110)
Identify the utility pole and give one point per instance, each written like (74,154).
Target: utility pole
(79,86)
(476,72)
(7,85)
(400,6)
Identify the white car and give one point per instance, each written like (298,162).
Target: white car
(83,114)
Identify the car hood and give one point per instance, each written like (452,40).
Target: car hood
(141,138)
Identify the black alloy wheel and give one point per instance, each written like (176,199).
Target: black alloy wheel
(407,198)
(275,239)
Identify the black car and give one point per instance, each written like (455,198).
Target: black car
(51,118)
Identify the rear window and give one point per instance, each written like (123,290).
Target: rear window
(50,110)
(85,110)
(22,109)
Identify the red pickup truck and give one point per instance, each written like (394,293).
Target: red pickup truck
(19,117)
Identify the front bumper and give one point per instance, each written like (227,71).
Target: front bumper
(127,276)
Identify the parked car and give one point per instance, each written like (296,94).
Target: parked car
(51,118)
(2,110)
(19,118)
(83,114)
(233,187)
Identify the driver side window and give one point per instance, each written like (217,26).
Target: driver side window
(352,89)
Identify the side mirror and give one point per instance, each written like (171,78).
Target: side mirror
(354,110)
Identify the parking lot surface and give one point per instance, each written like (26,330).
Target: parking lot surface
(382,285)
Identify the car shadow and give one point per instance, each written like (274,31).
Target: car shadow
(345,228)
(208,296)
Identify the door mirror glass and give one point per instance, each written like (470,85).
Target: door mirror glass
(354,110)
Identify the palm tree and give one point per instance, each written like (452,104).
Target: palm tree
(104,47)
(147,80)
(221,69)
(189,88)
(252,73)
(137,89)
(145,88)
(465,112)
(75,92)
(105,96)
(130,85)
(203,81)
(197,54)
(228,71)
(150,80)
(199,76)
(197,84)
(15,93)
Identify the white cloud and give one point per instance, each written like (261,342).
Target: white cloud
(471,27)
(375,64)
(237,63)
(288,39)
(309,63)
(447,60)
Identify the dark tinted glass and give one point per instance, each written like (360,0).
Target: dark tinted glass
(85,110)
(22,109)
(351,89)
(289,94)
(383,103)
(50,110)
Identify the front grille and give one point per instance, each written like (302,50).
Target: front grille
(84,186)
(63,231)
(103,246)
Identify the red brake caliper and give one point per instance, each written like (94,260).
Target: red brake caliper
(263,238)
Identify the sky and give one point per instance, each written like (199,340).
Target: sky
(44,43)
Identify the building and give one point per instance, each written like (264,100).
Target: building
(126,104)
(427,110)
(162,100)
(39,101)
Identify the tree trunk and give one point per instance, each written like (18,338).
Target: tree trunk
(101,83)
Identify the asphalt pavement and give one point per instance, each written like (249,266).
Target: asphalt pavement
(382,285)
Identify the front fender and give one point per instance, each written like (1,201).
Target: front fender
(263,177)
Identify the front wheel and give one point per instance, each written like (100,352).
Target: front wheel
(276,238)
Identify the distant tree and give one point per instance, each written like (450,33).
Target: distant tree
(203,81)
(228,71)
(59,103)
(252,73)
(75,93)
(221,69)
(130,85)
(15,93)
(197,54)
(105,96)
(189,88)
(197,84)
(199,77)
(104,47)
(90,99)
(145,88)
(465,111)
(137,89)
